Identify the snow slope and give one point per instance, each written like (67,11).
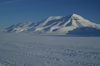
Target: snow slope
(18,27)
(32,50)
(58,25)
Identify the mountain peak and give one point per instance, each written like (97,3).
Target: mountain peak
(75,16)
(26,22)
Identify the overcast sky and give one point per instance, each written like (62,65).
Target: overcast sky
(16,11)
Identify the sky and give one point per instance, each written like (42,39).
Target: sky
(16,11)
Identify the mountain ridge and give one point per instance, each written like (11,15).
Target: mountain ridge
(57,25)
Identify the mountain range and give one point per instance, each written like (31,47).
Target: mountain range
(57,25)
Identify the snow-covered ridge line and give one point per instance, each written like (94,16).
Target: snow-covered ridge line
(57,25)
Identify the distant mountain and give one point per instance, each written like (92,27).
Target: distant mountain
(20,27)
(58,25)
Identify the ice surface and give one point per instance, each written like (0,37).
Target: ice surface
(32,50)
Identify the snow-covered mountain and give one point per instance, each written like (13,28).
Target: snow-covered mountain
(58,25)
(20,27)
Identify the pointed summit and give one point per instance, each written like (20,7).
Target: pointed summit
(25,22)
(74,14)
(76,17)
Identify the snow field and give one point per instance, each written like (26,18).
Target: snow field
(32,50)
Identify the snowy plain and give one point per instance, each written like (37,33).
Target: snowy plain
(37,50)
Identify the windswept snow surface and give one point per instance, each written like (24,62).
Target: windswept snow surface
(32,50)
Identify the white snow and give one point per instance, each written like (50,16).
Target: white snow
(50,19)
(32,50)
(61,24)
